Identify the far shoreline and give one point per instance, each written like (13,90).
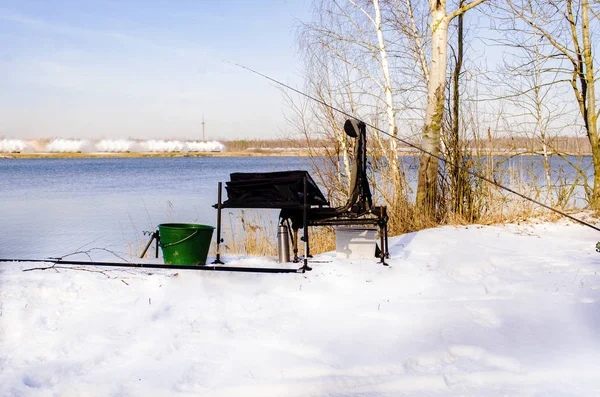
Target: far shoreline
(257,153)
(157,154)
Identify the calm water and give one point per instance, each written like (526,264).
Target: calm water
(52,207)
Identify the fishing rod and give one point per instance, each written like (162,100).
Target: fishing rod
(436,156)
(156,266)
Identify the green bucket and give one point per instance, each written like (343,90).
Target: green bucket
(185,243)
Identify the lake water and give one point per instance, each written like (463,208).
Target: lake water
(52,207)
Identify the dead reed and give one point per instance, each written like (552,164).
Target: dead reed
(249,233)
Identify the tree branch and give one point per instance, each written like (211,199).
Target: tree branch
(463,9)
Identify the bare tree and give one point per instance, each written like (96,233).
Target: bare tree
(565,27)
(347,50)
(528,78)
(458,182)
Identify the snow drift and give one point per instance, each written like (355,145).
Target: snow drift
(211,146)
(163,146)
(13,145)
(61,145)
(117,146)
(461,311)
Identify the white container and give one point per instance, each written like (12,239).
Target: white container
(355,242)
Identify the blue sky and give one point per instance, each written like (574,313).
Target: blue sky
(145,69)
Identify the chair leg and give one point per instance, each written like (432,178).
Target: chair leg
(295,244)
(153,236)
(305,226)
(306,250)
(387,251)
(219,239)
(383,235)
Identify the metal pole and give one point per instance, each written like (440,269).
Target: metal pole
(148,245)
(381,240)
(158,266)
(387,248)
(157,237)
(219,239)
(306,246)
(295,242)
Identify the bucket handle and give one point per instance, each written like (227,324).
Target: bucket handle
(180,241)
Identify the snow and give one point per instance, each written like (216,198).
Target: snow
(211,146)
(507,310)
(178,146)
(61,145)
(163,146)
(12,145)
(116,146)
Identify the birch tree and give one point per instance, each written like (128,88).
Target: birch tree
(356,36)
(436,86)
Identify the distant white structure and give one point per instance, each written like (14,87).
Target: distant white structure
(13,145)
(67,146)
(61,145)
(115,146)
(163,146)
(212,146)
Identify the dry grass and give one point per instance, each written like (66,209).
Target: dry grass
(254,233)
(322,239)
(249,233)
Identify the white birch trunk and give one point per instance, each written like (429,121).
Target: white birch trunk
(428,169)
(427,184)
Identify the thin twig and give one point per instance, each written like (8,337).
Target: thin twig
(87,253)
(55,266)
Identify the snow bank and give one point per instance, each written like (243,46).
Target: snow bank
(211,146)
(163,146)
(61,145)
(12,145)
(469,311)
(115,145)
(68,146)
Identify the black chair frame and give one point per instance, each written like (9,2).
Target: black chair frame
(303,205)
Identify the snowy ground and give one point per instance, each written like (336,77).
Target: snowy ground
(462,311)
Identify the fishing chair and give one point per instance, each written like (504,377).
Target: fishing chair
(302,203)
